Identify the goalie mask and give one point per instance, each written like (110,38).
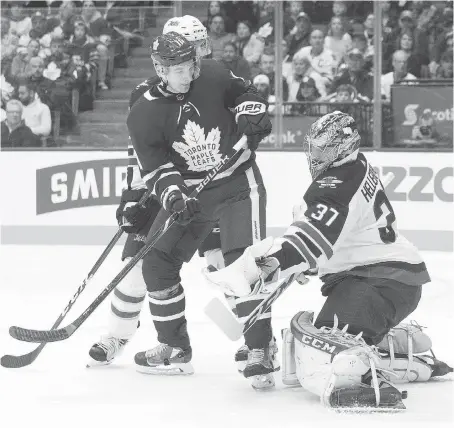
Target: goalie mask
(175,61)
(330,139)
(192,30)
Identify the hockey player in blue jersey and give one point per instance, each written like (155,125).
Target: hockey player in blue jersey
(129,296)
(372,280)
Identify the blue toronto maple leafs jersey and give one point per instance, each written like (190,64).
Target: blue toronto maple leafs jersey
(177,138)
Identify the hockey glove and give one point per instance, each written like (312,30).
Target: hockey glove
(178,202)
(253,121)
(131,216)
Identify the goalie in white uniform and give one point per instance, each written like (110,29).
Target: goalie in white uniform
(372,279)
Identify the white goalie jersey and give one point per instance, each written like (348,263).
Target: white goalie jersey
(349,226)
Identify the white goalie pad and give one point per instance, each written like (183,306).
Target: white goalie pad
(289,376)
(328,358)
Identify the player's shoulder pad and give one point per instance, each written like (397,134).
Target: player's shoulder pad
(141,88)
(147,111)
(339,184)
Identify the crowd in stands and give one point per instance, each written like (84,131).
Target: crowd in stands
(328,47)
(49,50)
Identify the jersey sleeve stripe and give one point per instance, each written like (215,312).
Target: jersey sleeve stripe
(151,174)
(309,244)
(302,249)
(316,236)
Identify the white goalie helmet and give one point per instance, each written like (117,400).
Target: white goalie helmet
(330,139)
(192,30)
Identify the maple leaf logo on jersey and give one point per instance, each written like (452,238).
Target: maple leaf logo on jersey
(330,182)
(200,153)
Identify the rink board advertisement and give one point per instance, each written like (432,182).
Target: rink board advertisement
(70,197)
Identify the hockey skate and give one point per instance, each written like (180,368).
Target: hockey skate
(165,360)
(104,351)
(242,354)
(259,369)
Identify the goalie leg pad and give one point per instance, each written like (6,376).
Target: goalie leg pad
(339,367)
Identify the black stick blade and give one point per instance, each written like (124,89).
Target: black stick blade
(16,362)
(37,336)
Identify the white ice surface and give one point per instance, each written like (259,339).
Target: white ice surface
(58,391)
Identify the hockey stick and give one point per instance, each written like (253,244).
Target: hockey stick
(229,323)
(18,361)
(28,335)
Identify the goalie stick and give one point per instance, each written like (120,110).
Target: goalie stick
(28,335)
(18,361)
(229,323)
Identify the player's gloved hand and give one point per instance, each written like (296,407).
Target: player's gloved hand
(178,202)
(253,121)
(131,216)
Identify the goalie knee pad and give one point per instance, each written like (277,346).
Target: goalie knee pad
(126,304)
(405,352)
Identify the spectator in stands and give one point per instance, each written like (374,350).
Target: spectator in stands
(99,30)
(338,41)
(238,11)
(267,64)
(14,131)
(263,86)
(294,9)
(407,23)
(43,86)
(301,36)
(443,41)
(444,70)
(38,32)
(215,8)
(20,23)
(399,73)
(65,20)
(266,22)
(218,36)
(250,46)
(232,61)
(416,63)
(301,68)
(359,41)
(322,59)
(7,90)
(339,9)
(355,75)
(9,41)
(36,114)
(84,45)
(20,66)
(307,92)
(287,66)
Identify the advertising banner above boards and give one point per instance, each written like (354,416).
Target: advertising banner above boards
(423,113)
(70,197)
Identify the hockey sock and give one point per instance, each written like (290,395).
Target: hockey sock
(126,304)
(167,308)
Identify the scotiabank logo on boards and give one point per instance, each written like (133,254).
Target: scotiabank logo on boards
(80,184)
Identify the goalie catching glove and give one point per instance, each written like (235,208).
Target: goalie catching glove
(132,216)
(177,202)
(253,120)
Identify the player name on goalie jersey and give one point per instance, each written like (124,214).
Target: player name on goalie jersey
(370,185)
